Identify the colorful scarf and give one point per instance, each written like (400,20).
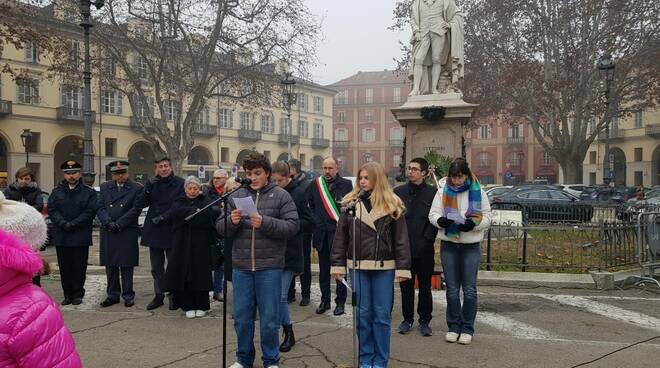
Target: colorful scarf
(450,204)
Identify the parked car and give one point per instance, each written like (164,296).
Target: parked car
(493,193)
(547,205)
(608,194)
(574,189)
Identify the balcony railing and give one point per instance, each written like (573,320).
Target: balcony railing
(320,143)
(65,113)
(5,107)
(396,142)
(615,135)
(284,138)
(653,130)
(137,122)
(342,144)
(205,130)
(249,135)
(515,140)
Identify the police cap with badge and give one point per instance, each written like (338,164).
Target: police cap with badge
(71,166)
(118,167)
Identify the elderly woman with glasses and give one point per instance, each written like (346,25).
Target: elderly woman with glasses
(213,190)
(188,275)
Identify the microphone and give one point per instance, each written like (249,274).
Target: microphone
(243,182)
(360,197)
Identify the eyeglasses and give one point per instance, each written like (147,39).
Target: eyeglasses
(414,169)
(221,177)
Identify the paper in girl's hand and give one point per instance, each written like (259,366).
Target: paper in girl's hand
(343,281)
(456,217)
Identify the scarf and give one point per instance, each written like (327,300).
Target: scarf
(450,203)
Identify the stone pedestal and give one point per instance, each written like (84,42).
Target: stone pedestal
(443,135)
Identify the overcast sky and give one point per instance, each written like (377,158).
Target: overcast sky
(356,38)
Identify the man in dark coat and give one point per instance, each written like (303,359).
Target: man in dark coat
(418,196)
(159,194)
(324,195)
(71,208)
(119,233)
(303,181)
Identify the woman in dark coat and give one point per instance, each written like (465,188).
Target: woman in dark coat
(188,275)
(25,189)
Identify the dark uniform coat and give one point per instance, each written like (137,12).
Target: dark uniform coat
(159,197)
(191,246)
(119,249)
(418,200)
(324,225)
(77,206)
(294,247)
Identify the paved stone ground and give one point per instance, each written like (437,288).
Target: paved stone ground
(516,327)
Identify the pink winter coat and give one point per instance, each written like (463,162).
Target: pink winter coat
(32,332)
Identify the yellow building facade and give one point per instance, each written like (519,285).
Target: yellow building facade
(634,158)
(53,114)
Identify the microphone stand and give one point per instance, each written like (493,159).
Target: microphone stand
(224,199)
(354,300)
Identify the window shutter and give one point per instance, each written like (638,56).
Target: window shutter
(119,103)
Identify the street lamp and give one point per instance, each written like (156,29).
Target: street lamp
(88,173)
(25,139)
(288,95)
(606,68)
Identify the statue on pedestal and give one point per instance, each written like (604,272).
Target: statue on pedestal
(437,47)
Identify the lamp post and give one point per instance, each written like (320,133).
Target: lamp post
(25,139)
(88,173)
(288,84)
(606,68)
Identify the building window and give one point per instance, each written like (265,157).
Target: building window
(110,66)
(341,116)
(515,159)
(368,157)
(226,119)
(318,129)
(485,132)
(202,118)
(31,52)
(341,134)
(483,159)
(638,154)
(396,95)
(247,121)
(224,154)
(303,129)
(638,119)
(318,105)
(396,160)
(28,91)
(267,154)
(171,110)
(285,126)
(547,159)
(369,116)
(302,102)
(396,134)
(71,97)
(141,67)
(302,159)
(592,157)
(369,96)
(267,123)
(111,147)
(143,110)
(639,178)
(342,97)
(368,135)
(514,131)
(74,50)
(592,178)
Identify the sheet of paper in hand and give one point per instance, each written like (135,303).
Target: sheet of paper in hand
(246,205)
(456,217)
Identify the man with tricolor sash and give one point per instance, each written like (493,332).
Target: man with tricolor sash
(324,195)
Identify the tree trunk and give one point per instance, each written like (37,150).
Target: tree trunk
(572,170)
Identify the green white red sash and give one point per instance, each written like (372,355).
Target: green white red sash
(326,198)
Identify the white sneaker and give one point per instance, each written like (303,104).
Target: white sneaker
(237,365)
(465,339)
(451,337)
(190,314)
(273,366)
(200,313)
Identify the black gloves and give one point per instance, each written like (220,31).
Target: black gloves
(157,220)
(154,179)
(67,226)
(444,222)
(467,226)
(112,227)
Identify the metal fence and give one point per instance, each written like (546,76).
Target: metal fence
(547,237)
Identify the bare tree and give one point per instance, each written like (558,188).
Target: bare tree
(536,60)
(169,57)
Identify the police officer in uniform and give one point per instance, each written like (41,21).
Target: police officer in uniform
(71,208)
(118,215)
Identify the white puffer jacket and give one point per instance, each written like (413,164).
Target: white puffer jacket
(474,236)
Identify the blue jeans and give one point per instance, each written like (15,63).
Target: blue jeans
(218,276)
(375,295)
(460,263)
(251,291)
(287,276)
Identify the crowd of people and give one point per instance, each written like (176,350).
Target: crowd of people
(199,236)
